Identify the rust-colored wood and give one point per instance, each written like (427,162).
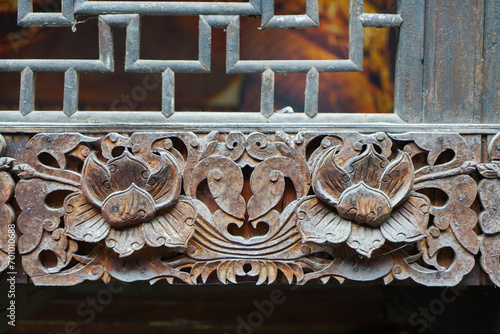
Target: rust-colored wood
(262,208)
(489,219)
(7,227)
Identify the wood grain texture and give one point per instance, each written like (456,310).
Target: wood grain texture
(453,60)
(247,208)
(491,85)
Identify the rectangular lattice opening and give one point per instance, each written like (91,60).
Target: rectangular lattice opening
(212,56)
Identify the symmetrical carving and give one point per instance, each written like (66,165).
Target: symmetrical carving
(489,219)
(256,207)
(7,243)
(129,204)
(372,198)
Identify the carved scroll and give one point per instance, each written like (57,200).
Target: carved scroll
(262,208)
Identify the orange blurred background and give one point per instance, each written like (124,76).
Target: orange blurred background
(169,37)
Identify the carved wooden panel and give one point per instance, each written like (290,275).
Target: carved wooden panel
(263,208)
(7,227)
(489,219)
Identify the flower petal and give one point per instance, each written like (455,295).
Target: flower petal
(328,179)
(127,169)
(408,222)
(165,182)
(367,167)
(174,227)
(397,180)
(364,205)
(96,184)
(128,207)
(125,241)
(225,188)
(318,223)
(84,221)
(365,239)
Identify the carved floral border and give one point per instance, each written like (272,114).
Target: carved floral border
(234,207)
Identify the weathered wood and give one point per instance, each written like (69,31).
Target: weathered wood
(252,207)
(453,61)
(491,85)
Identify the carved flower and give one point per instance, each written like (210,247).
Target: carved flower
(129,204)
(373,199)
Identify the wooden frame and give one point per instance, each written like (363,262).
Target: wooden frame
(268,197)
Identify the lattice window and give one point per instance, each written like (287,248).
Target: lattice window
(224,15)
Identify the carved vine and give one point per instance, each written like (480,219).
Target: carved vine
(233,207)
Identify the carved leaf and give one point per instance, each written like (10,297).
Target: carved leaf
(33,208)
(57,145)
(126,241)
(6,163)
(165,181)
(286,270)
(231,273)
(461,191)
(490,171)
(61,247)
(127,169)
(489,219)
(208,268)
(408,222)
(24,171)
(222,271)
(83,220)
(268,184)
(435,144)
(146,264)
(225,181)
(490,257)
(328,179)
(262,274)
(368,167)
(272,272)
(95,180)
(442,276)
(172,228)
(397,179)
(365,239)
(318,223)
(111,141)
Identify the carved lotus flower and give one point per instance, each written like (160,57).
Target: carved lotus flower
(373,199)
(129,204)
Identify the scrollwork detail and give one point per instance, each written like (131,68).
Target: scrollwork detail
(234,207)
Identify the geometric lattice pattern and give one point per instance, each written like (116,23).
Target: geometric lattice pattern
(211,15)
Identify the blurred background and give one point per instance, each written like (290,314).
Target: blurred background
(176,37)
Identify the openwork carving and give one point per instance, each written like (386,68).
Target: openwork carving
(237,207)
(7,231)
(130,205)
(489,219)
(372,198)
